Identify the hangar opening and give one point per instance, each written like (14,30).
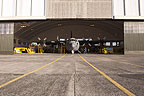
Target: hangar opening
(50,36)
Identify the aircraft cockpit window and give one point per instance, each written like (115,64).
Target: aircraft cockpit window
(72,39)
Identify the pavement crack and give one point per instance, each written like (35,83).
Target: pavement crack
(75,79)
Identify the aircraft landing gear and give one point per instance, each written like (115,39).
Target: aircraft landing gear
(72,51)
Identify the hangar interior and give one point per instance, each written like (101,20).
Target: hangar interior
(93,35)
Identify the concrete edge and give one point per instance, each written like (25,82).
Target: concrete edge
(6,52)
(134,52)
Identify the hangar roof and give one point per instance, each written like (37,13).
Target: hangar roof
(30,31)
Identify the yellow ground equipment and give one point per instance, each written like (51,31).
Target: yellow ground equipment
(20,50)
(36,48)
(40,49)
(23,50)
(32,49)
(107,50)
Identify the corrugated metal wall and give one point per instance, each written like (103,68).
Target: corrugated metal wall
(79,8)
(134,36)
(128,9)
(6,38)
(22,9)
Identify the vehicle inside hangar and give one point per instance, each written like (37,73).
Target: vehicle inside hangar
(50,36)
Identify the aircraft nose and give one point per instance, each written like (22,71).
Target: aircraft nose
(73,45)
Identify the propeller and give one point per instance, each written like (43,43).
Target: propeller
(87,43)
(42,42)
(39,38)
(45,39)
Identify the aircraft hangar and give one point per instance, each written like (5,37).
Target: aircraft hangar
(115,22)
(71,47)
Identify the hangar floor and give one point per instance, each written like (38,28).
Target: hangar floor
(71,75)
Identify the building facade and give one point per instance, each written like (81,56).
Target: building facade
(129,11)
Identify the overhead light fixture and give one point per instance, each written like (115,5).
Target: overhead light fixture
(92,25)
(59,25)
(23,26)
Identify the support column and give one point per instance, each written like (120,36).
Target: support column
(134,37)
(6,38)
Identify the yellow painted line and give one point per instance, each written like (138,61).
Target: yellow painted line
(110,79)
(5,84)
